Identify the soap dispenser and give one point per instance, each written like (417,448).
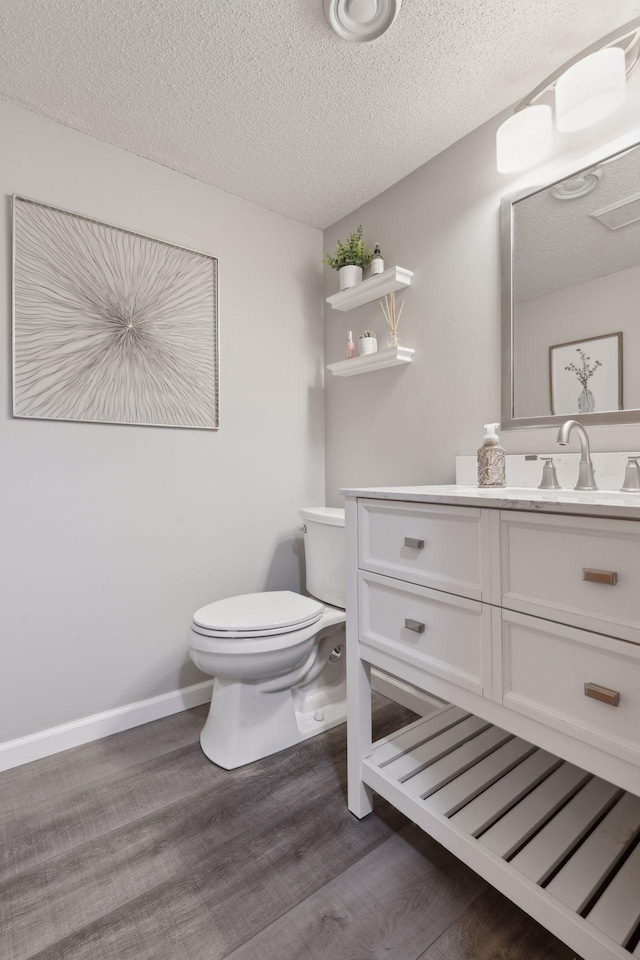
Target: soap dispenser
(491,461)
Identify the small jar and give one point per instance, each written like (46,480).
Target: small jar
(368,345)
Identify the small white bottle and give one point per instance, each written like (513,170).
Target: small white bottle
(351,347)
(377,264)
(491,459)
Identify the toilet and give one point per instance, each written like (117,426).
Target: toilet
(277,657)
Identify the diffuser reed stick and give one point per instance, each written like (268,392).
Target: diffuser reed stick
(392,317)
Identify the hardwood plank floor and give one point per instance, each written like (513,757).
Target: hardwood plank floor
(492,928)
(389,904)
(27,785)
(138,848)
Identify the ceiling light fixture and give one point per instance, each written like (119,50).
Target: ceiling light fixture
(360,21)
(585,90)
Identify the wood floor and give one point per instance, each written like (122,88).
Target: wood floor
(135,847)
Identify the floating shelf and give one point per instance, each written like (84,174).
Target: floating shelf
(371,361)
(395,278)
(559,842)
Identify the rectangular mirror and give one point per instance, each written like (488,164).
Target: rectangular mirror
(571,298)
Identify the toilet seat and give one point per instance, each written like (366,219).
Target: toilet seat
(254,615)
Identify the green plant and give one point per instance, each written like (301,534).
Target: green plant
(350,252)
(367,333)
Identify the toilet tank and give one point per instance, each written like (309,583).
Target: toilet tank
(325,554)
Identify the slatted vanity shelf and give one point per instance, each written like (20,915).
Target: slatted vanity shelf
(529,772)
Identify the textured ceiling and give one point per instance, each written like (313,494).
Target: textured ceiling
(558,244)
(260,98)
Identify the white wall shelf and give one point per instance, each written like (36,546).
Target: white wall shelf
(371,361)
(395,278)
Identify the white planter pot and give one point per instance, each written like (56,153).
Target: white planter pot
(368,345)
(349,276)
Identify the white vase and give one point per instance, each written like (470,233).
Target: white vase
(349,276)
(368,345)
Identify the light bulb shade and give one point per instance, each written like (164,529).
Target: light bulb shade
(524,139)
(591,89)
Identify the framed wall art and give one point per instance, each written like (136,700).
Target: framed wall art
(111,326)
(586,375)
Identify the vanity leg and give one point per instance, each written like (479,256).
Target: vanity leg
(358,678)
(358,732)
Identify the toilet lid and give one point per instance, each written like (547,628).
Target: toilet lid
(255,614)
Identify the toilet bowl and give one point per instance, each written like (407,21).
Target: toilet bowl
(277,657)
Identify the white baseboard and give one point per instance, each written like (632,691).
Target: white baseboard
(35,746)
(404,693)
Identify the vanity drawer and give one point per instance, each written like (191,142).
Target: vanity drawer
(545,667)
(428,544)
(575,570)
(441,634)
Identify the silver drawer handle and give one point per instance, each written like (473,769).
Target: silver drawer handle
(603,694)
(414,625)
(609,577)
(413,542)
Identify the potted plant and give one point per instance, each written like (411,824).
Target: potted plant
(350,257)
(368,342)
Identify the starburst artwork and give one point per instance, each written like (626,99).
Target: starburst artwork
(109,325)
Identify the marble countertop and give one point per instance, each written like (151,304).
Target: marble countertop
(599,503)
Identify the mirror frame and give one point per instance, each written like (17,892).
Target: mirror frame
(509,421)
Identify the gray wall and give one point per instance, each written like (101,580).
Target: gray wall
(405,425)
(111,536)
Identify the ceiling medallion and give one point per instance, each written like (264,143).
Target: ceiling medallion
(360,21)
(578,186)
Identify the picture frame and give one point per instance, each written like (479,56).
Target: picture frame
(585,376)
(110,325)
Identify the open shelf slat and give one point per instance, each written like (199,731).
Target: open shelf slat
(493,802)
(564,832)
(551,836)
(580,878)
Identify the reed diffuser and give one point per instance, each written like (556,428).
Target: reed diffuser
(392,318)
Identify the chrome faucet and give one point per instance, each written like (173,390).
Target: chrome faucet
(586,476)
(549,476)
(632,475)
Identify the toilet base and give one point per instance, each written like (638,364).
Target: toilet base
(247,722)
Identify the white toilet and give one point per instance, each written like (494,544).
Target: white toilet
(277,658)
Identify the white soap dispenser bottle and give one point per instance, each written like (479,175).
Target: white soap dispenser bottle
(491,459)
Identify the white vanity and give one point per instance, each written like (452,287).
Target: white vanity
(520,610)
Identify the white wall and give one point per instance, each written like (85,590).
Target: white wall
(406,425)
(111,536)
(575,313)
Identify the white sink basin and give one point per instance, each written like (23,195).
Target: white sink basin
(553,496)
(605,503)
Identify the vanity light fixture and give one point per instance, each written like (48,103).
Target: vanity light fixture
(591,89)
(524,139)
(584,91)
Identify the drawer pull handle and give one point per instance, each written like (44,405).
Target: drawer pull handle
(609,577)
(603,694)
(413,542)
(414,625)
